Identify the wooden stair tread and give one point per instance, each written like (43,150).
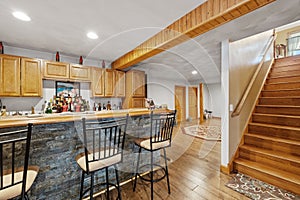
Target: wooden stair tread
(283,76)
(275,126)
(278,83)
(274,139)
(285,97)
(276,115)
(291,177)
(276,154)
(294,89)
(278,106)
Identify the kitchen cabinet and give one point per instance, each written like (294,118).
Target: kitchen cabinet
(79,72)
(20,76)
(31,77)
(97,84)
(120,84)
(10,75)
(109,83)
(135,83)
(56,70)
(135,89)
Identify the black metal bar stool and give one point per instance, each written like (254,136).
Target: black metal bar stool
(103,148)
(161,129)
(16,176)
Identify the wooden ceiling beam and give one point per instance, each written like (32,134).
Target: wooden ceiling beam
(209,15)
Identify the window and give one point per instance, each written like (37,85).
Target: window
(294,44)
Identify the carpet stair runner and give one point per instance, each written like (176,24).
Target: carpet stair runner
(271,149)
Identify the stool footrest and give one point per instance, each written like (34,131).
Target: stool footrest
(154,180)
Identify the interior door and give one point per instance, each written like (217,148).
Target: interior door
(180,103)
(193,106)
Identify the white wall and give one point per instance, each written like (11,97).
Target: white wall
(213,98)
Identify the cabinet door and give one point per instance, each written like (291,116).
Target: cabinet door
(97,83)
(10,75)
(79,72)
(109,83)
(137,103)
(138,83)
(120,84)
(56,70)
(31,77)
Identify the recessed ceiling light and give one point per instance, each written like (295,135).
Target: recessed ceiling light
(21,16)
(194,72)
(92,35)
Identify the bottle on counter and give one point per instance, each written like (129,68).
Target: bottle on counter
(88,107)
(80,60)
(103,107)
(108,105)
(32,110)
(94,107)
(48,109)
(99,107)
(3,111)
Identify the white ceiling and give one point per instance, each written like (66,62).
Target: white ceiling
(204,52)
(122,25)
(61,25)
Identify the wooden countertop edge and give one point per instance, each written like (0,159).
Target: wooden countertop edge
(58,118)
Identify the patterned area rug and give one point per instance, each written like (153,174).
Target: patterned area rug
(204,132)
(258,190)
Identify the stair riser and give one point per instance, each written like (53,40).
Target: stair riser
(286,73)
(269,160)
(279,86)
(285,68)
(276,146)
(288,61)
(269,178)
(285,79)
(277,110)
(289,93)
(274,132)
(285,121)
(280,101)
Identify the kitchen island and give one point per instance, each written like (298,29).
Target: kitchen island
(56,140)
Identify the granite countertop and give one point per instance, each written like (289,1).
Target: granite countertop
(14,121)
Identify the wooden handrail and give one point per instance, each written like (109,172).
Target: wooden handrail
(242,101)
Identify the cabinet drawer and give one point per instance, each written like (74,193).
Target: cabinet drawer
(137,103)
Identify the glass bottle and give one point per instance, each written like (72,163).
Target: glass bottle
(57,56)
(1,48)
(80,60)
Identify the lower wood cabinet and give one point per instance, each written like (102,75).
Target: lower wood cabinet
(133,102)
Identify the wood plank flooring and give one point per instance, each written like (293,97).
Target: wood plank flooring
(194,172)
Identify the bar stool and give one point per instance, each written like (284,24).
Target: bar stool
(16,176)
(161,130)
(103,148)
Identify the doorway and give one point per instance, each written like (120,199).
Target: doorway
(180,103)
(193,105)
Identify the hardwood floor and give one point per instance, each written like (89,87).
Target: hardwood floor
(194,172)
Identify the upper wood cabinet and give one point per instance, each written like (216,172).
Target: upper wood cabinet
(97,84)
(10,75)
(56,70)
(31,77)
(20,76)
(109,83)
(120,84)
(79,72)
(135,83)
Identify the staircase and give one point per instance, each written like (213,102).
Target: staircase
(271,149)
